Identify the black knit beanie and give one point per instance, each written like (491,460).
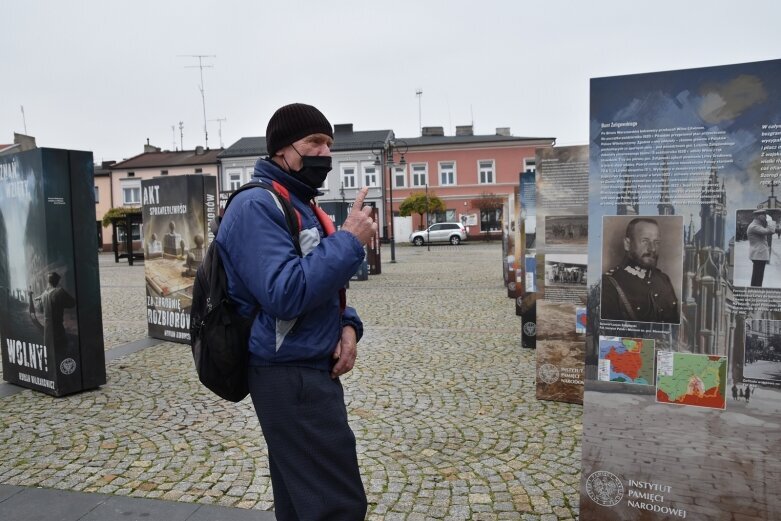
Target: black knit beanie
(293,122)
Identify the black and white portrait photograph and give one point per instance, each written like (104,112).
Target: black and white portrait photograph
(642,268)
(757,264)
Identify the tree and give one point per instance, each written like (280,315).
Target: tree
(120,211)
(487,201)
(490,206)
(418,203)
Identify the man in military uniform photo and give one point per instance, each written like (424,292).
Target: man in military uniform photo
(636,290)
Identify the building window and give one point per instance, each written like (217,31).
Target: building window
(420,174)
(447,173)
(490,219)
(131,193)
(199,170)
(485,170)
(131,174)
(234,181)
(369,175)
(448,216)
(163,172)
(529,165)
(399,177)
(97,195)
(135,233)
(348,175)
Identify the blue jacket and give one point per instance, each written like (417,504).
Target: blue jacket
(300,321)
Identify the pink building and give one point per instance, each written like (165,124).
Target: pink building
(103,202)
(459,169)
(124,186)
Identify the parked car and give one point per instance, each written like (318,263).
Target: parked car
(453,233)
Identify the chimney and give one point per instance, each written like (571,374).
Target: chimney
(503,131)
(25,142)
(433,131)
(343,127)
(150,148)
(199,150)
(464,130)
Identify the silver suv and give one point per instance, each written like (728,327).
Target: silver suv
(453,233)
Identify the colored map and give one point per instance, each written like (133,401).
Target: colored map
(690,379)
(627,360)
(580,320)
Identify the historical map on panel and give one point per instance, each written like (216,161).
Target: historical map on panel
(691,379)
(626,360)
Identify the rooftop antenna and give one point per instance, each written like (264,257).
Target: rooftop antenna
(201,66)
(24,121)
(219,122)
(419,94)
(181,135)
(173,135)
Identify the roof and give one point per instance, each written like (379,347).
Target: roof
(361,140)
(424,141)
(172,159)
(343,141)
(100,171)
(246,146)
(8,149)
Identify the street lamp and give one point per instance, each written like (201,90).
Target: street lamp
(428,222)
(343,209)
(383,155)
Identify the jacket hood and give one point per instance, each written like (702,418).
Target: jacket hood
(267,169)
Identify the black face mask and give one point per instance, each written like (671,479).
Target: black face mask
(314,170)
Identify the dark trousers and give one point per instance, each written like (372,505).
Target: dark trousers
(312,458)
(758,273)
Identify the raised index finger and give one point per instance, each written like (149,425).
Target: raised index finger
(358,204)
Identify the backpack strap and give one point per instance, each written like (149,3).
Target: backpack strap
(324,219)
(285,194)
(280,193)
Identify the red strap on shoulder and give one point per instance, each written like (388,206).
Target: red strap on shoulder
(324,219)
(281,190)
(329,228)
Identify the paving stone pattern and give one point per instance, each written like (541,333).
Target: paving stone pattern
(441,402)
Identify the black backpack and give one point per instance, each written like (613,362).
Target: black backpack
(219,335)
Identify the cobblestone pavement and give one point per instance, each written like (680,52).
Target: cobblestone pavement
(441,402)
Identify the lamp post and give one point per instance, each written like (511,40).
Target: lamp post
(428,223)
(383,155)
(342,210)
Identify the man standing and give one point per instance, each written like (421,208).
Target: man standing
(304,336)
(52,303)
(759,250)
(636,289)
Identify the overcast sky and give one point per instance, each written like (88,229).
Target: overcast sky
(106,75)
